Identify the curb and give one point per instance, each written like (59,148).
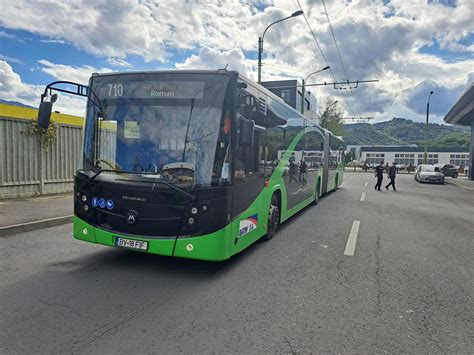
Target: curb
(30,226)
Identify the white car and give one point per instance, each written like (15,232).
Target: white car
(428,173)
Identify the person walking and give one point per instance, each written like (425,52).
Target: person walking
(391,174)
(303,168)
(292,168)
(379,175)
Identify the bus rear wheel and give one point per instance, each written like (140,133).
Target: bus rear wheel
(273,219)
(316,196)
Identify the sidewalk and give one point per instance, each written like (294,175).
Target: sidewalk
(29,213)
(462,182)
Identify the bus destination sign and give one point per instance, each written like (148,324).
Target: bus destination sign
(153,89)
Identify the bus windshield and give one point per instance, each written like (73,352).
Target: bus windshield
(166,126)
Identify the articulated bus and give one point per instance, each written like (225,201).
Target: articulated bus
(192,164)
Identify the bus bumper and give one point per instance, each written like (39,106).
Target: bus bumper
(212,247)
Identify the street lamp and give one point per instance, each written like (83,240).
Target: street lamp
(425,157)
(260,42)
(302,86)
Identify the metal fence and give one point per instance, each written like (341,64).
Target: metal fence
(27,169)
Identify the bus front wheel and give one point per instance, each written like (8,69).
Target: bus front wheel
(273,219)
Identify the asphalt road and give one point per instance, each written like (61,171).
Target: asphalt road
(407,288)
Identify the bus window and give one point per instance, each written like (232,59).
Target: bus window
(314,152)
(247,159)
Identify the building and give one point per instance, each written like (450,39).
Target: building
(290,92)
(406,155)
(356,148)
(462,113)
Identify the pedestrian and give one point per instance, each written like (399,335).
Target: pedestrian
(379,175)
(303,168)
(391,174)
(292,168)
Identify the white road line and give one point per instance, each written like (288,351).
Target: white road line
(362,197)
(351,241)
(366,183)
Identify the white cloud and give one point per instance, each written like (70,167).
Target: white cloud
(76,74)
(116,62)
(7,35)
(376,40)
(55,41)
(214,59)
(10,59)
(12,88)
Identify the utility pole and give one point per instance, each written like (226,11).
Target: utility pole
(425,155)
(260,43)
(303,89)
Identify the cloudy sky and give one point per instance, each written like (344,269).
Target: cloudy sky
(410,46)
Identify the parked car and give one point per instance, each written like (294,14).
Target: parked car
(429,173)
(448,170)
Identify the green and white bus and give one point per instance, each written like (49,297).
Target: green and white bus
(193,164)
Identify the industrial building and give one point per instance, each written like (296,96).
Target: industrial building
(290,92)
(406,155)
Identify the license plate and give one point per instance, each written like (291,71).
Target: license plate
(130,243)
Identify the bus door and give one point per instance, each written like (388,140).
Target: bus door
(314,156)
(326,184)
(332,163)
(298,188)
(248,183)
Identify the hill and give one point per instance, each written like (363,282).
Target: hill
(403,131)
(15,103)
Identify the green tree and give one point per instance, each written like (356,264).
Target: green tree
(331,118)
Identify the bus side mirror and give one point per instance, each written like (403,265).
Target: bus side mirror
(246,133)
(44,114)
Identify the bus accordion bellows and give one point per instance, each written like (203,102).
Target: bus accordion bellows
(192,164)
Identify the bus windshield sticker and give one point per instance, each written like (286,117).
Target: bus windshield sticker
(248,224)
(131,130)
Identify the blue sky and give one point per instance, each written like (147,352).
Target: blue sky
(410,46)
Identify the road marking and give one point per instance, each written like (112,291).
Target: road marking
(362,197)
(366,183)
(351,241)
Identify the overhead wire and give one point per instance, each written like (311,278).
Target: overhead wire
(316,40)
(319,47)
(335,42)
(294,70)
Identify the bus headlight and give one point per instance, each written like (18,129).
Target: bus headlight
(84,198)
(191,220)
(86,207)
(194,210)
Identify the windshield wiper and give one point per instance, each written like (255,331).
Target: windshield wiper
(92,178)
(184,192)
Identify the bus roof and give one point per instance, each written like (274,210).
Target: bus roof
(226,72)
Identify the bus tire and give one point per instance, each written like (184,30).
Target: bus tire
(316,196)
(273,218)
